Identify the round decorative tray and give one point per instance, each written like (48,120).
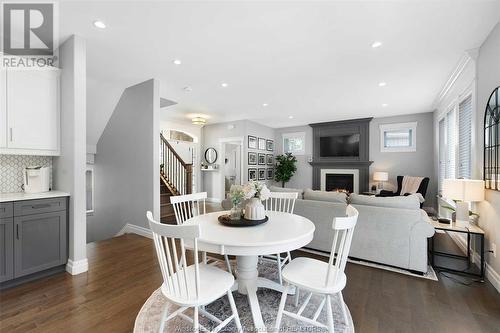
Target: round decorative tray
(242,222)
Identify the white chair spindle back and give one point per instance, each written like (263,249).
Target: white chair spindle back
(188,206)
(343,231)
(281,202)
(173,270)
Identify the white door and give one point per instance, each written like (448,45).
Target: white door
(33,109)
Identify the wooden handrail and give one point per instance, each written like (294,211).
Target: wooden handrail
(184,164)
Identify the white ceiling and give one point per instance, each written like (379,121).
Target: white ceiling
(311,60)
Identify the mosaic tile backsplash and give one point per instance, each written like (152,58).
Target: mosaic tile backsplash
(11,170)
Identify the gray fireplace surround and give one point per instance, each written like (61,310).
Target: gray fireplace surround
(361,163)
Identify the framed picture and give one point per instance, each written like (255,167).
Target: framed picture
(262,174)
(262,144)
(252,142)
(269,145)
(252,174)
(262,159)
(252,158)
(269,159)
(270,173)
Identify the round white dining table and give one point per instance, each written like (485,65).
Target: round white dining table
(281,233)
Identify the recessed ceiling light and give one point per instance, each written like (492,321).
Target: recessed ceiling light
(376,44)
(99,24)
(224,85)
(382,84)
(265,104)
(176,62)
(187,89)
(290,117)
(385,105)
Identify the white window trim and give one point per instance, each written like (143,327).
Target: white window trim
(295,135)
(391,127)
(92,172)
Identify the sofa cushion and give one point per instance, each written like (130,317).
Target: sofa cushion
(299,191)
(332,196)
(405,202)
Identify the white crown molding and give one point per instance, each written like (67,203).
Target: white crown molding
(77,267)
(490,273)
(134,229)
(469,55)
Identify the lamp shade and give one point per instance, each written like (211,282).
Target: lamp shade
(380,176)
(463,189)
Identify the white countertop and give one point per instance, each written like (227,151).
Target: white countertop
(19,196)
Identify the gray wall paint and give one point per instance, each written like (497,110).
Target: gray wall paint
(211,134)
(303,177)
(419,163)
(488,78)
(69,168)
(127,163)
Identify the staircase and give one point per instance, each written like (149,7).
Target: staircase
(176,178)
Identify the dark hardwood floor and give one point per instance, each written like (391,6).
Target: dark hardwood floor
(123,273)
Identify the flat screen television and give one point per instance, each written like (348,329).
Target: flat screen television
(339,145)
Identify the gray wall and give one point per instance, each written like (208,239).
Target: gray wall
(303,177)
(419,163)
(211,134)
(127,163)
(488,78)
(69,168)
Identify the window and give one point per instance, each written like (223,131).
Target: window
(89,182)
(465,138)
(450,145)
(294,143)
(398,137)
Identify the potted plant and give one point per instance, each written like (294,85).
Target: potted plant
(255,192)
(285,168)
(236,194)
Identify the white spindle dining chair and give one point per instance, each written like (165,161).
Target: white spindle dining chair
(319,277)
(190,205)
(189,286)
(281,202)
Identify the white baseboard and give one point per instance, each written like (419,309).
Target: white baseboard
(77,267)
(490,273)
(134,229)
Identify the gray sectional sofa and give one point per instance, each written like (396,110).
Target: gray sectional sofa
(392,231)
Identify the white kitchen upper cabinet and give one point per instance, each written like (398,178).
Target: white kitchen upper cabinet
(3,109)
(33,114)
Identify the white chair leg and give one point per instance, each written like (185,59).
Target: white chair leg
(280,309)
(228,264)
(289,256)
(163,317)
(278,260)
(329,314)
(204,257)
(297,293)
(344,310)
(196,326)
(235,311)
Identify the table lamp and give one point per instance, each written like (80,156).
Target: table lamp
(463,191)
(380,177)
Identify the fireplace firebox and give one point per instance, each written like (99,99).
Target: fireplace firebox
(339,182)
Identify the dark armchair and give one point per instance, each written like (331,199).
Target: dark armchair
(422,189)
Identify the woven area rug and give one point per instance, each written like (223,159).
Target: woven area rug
(148,319)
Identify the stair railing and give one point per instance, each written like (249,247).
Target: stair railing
(177,174)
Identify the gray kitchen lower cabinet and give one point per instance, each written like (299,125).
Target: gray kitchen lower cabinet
(40,242)
(6,249)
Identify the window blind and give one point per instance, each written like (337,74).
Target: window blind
(465,138)
(450,144)
(442,152)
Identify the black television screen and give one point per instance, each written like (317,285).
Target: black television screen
(339,146)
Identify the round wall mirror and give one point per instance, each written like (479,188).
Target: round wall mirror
(211,155)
